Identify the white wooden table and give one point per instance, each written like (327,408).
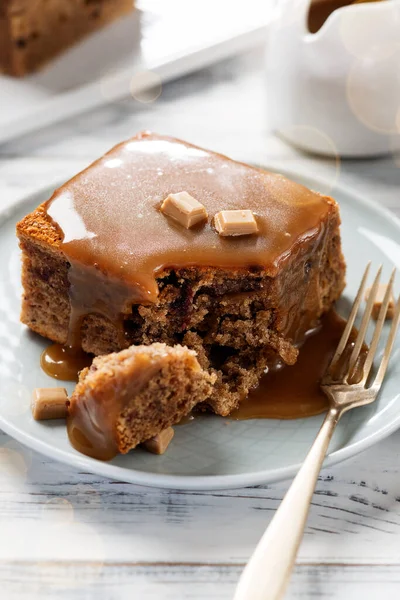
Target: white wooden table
(71,535)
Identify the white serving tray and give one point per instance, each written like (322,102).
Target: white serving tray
(168,37)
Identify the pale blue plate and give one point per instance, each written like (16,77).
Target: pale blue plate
(210,452)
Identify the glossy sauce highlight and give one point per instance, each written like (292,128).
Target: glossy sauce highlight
(294,392)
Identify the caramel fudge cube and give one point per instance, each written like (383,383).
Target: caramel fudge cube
(49,403)
(379,298)
(159,443)
(184,209)
(235,222)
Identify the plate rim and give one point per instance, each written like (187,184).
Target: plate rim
(203,482)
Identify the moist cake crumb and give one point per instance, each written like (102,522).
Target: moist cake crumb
(129,397)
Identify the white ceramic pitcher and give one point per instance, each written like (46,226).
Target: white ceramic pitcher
(336,91)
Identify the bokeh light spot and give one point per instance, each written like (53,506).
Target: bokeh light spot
(59,510)
(146,86)
(63,545)
(373,88)
(361,30)
(15,399)
(12,464)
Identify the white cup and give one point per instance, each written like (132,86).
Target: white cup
(336,91)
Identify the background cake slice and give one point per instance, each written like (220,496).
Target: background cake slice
(128,397)
(104,268)
(34,31)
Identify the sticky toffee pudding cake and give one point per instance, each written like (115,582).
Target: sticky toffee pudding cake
(126,398)
(32,32)
(104,268)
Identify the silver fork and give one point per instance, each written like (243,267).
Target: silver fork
(267,573)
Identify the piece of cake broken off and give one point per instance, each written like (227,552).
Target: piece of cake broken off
(129,397)
(104,268)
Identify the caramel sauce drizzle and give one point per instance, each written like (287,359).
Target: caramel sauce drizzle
(294,392)
(118,242)
(64,362)
(320,10)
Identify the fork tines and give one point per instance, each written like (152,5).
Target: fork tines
(360,339)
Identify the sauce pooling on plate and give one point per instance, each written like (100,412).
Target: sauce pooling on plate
(64,362)
(294,392)
(284,393)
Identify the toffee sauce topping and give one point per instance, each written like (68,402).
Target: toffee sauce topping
(64,362)
(117,241)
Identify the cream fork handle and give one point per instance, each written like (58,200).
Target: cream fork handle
(268,571)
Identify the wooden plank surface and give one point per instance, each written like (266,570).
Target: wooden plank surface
(197,582)
(74,535)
